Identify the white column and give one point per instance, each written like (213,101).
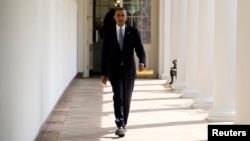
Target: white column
(74,32)
(203,98)
(173,36)
(164,38)
(83,60)
(242,114)
(181,45)
(192,46)
(225,58)
(80,35)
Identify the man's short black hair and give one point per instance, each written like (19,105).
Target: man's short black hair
(120,8)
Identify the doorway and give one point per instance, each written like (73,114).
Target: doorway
(139,16)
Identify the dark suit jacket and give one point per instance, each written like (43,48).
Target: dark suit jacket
(113,56)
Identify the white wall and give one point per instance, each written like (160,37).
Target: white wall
(37,62)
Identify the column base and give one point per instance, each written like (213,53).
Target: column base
(203,102)
(221,115)
(189,93)
(179,86)
(165,76)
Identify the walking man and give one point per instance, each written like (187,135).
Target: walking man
(118,65)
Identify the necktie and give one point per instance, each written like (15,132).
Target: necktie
(121,38)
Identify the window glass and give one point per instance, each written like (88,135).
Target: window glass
(139,16)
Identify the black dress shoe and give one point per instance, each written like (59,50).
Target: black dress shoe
(120,132)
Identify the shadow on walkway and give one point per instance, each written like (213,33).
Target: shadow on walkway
(85,113)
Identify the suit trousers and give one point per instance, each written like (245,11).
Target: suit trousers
(122,88)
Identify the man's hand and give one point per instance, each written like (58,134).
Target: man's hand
(104,79)
(141,67)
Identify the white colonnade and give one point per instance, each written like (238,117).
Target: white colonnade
(222,69)
(181,44)
(203,98)
(224,61)
(242,114)
(190,90)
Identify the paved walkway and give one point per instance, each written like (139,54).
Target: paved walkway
(85,113)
